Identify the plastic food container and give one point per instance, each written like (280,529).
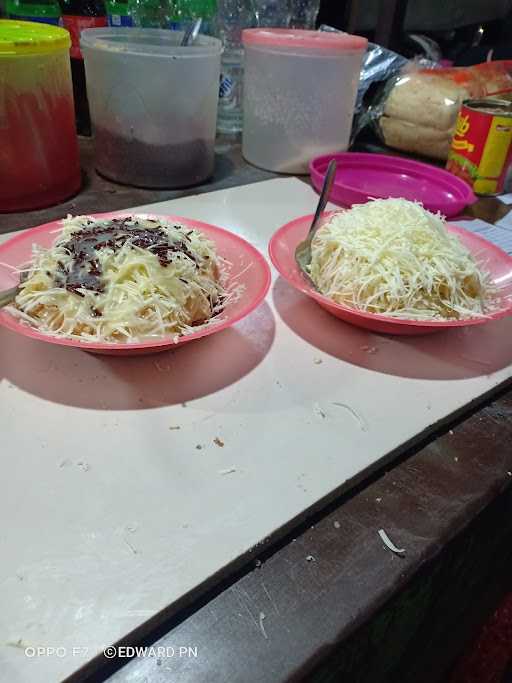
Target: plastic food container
(153,105)
(39,162)
(299,94)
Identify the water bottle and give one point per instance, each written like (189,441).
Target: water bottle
(78,15)
(186,11)
(151,13)
(286,13)
(232,17)
(180,12)
(272,13)
(117,13)
(304,13)
(45,11)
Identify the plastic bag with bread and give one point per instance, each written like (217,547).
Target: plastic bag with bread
(418,110)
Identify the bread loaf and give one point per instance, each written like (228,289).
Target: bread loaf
(416,138)
(425,99)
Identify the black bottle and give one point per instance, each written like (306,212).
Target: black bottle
(76,16)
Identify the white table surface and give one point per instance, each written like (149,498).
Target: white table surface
(110,516)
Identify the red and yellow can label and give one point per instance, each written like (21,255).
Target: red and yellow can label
(481,146)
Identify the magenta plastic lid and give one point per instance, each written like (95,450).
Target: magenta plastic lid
(300,38)
(361,176)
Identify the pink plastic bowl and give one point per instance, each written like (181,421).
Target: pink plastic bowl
(498,263)
(248,269)
(361,176)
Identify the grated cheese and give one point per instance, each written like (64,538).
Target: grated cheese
(389,543)
(392,257)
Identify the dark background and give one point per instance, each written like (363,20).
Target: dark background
(464,29)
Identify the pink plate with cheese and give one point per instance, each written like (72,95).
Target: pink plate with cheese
(497,262)
(247,269)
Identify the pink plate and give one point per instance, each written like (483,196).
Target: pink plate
(361,175)
(498,263)
(248,268)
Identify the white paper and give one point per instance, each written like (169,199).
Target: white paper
(500,234)
(506,221)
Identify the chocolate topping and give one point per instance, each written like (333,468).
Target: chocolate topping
(85,271)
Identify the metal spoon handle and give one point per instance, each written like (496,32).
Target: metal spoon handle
(8,296)
(191,32)
(324,195)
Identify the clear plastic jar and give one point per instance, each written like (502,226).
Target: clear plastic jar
(153,105)
(299,94)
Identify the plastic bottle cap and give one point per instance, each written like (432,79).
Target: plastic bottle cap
(30,37)
(300,38)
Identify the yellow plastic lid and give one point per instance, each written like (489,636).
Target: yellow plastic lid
(31,37)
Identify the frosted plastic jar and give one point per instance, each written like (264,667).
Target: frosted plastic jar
(299,94)
(153,105)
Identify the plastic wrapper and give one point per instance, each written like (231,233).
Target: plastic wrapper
(379,64)
(417,109)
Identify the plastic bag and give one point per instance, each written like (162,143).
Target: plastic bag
(379,64)
(416,111)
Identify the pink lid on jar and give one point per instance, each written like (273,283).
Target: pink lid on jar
(300,38)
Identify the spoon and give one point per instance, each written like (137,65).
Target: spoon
(303,250)
(191,33)
(8,295)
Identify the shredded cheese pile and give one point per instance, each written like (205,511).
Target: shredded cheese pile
(392,257)
(139,298)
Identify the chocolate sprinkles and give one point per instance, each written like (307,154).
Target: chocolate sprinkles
(83,245)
